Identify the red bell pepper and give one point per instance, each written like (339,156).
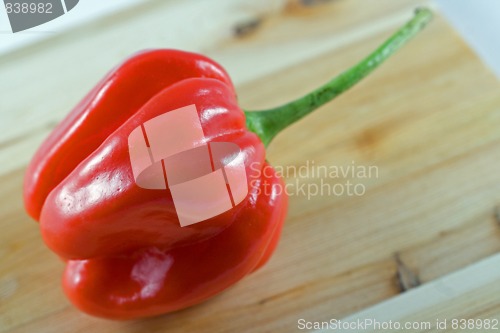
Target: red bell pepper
(126,255)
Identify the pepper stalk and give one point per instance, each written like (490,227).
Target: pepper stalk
(268,123)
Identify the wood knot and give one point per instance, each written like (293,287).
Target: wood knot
(406,278)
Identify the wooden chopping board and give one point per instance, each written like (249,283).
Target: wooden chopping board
(428,120)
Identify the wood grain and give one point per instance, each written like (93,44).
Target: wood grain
(428,120)
(467,294)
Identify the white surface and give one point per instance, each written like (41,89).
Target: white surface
(84,11)
(478,22)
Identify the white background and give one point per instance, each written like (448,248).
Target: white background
(478,21)
(84,11)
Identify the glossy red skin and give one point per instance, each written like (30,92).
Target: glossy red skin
(154,282)
(127,256)
(116,98)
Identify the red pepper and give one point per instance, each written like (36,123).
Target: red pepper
(126,254)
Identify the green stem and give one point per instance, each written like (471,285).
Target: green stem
(268,123)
